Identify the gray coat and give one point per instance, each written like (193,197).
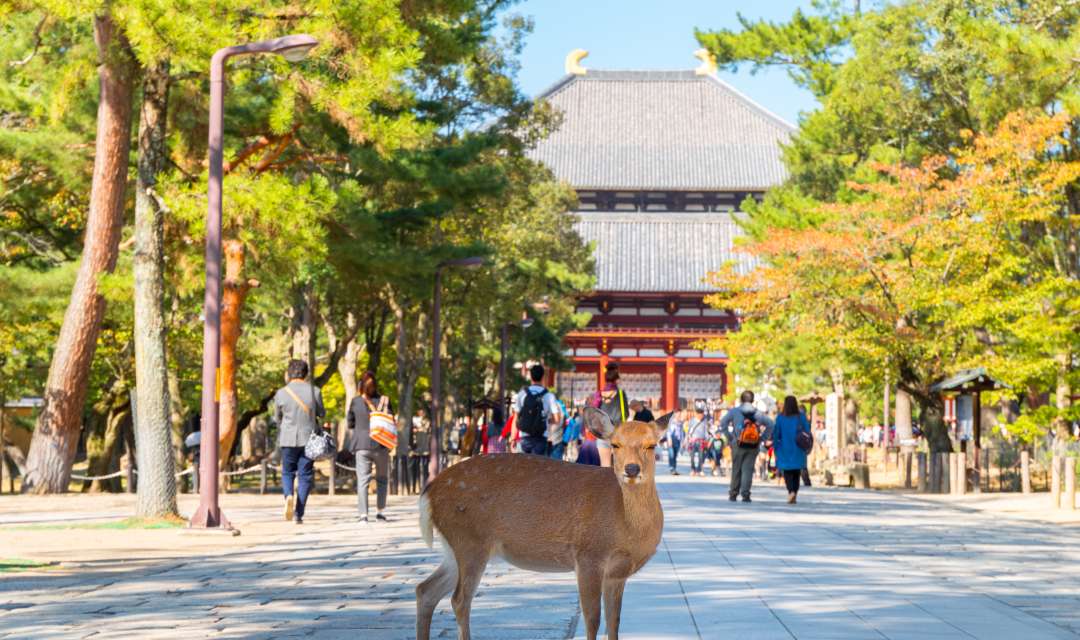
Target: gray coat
(732,423)
(295,425)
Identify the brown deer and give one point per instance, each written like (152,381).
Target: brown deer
(518,507)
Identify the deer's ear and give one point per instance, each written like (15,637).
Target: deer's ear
(598,423)
(660,424)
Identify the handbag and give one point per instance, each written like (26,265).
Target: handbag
(382,426)
(804,440)
(320,444)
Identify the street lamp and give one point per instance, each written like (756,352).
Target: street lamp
(525,323)
(293,48)
(436,364)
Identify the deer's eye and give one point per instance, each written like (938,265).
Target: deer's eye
(650,447)
(615,446)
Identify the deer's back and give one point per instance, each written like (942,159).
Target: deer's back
(536,512)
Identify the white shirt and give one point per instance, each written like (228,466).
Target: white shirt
(551,407)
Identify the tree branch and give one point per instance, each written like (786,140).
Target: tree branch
(37,44)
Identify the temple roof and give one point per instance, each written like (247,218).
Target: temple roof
(660,252)
(661,130)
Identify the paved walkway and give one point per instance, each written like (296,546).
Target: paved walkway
(842,564)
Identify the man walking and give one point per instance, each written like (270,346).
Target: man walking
(535,408)
(298,407)
(749,428)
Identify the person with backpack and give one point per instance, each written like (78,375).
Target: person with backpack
(612,401)
(298,407)
(534,409)
(792,440)
(556,441)
(370,447)
(748,428)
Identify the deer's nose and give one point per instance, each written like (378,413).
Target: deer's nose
(632,470)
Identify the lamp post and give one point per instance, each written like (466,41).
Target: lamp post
(525,323)
(436,363)
(293,48)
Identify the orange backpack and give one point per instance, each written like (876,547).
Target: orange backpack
(751,434)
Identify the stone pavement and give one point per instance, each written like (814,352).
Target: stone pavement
(841,564)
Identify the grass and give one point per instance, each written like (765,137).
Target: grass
(128,523)
(11,565)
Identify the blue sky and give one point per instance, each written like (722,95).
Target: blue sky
(650,34)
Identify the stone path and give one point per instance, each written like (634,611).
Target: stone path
(842,564)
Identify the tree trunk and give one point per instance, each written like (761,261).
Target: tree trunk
(1062,401)
(176,418)
(406,382)
(157,482)
(232,303)
(304,327)
(56,435)
(104,438)
(346,367)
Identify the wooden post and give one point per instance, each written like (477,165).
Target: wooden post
(129,473)
(1070,484)
(1055,482)
(946,471)
(922,471)
(1025,471)
(960,482)
(935,472)
(262,477)
(333,461)
(907,469)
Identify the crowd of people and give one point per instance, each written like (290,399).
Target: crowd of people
(741,442)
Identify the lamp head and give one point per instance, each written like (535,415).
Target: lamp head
(294,48)
(471,262)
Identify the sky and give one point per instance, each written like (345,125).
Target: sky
(650,34)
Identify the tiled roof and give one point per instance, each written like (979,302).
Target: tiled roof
(661,130)
(660,252)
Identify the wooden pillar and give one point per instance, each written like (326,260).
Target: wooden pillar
(961,474)
(1070,484)
(1025,471)
(1055,481)
(946,471)
(603,364)
(922,471)
(976,410)
(671,384)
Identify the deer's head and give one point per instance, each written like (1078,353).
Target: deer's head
(633,444)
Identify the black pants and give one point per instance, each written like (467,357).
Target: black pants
(536,445)
(791,479)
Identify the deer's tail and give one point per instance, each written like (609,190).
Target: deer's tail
(427,528)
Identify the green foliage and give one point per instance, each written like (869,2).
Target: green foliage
(897,85)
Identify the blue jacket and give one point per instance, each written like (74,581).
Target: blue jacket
(788,454)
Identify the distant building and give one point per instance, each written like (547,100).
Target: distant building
(661,161)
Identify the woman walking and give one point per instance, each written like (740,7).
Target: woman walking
(298,407)
(790,456)
(369,444)
(697,433)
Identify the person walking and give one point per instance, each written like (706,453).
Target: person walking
(298,407)
(749,428)
(673,437)
(556,432)
(534,410)
(790,456)
(368,450)
(611,400)
(697,434)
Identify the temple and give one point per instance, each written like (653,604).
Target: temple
(661,162)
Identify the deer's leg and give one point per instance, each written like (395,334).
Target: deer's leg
(431,591)
(590,583)
(613,590)
(470,570)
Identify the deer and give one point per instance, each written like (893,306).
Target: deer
(516,507)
